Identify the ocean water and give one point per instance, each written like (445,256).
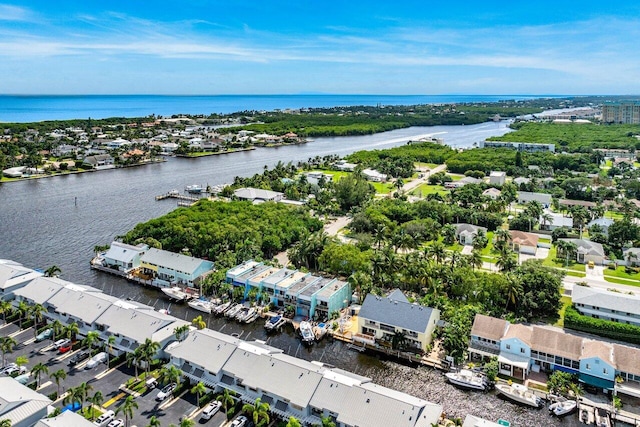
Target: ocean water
(34,108)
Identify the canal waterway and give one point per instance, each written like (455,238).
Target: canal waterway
(59,220)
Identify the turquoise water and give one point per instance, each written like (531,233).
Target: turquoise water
(34,108)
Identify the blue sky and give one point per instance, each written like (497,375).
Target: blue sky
(349,47)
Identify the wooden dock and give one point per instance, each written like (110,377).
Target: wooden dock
(180,197)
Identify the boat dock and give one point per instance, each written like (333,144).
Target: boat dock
(180,197)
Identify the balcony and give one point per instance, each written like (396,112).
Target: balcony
(485,347)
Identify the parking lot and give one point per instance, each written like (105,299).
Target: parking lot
(107,382)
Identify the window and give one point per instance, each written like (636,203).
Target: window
(508,346)
(588,367)
(521,350)
(604,371)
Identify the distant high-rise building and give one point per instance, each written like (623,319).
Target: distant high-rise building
(627,112)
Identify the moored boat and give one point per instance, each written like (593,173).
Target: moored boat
(218,310)
(520,394)
(468,379)
(274,323)
(240,315)
(561,409)
(231,312)
(201,304)
(194,189)
(175,293)
(306,332)
(320,330)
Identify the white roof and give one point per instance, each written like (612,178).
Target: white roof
(139,324)
(256,193)
(65,419)
(206,348)
(18,402)
(40,289)
(125,253)
(15,274)
(173,261)
(84,305)
(621,302)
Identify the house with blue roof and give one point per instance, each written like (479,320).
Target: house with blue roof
(384,317)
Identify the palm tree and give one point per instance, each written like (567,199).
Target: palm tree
(133,358)
(327,422)
(259,411)
(91,338)
(74,395)
(449,234)
(56,328)
(5,423)
(108,345)
(438,251)
(127,408)
(5,308)
(293,422)
(226,398)
(198,389)
(186,422)
(37,314)
(199,323)
(52,271)
(513,290)
(170,374)
(83,390)
(154,422)
(37,371)
(71,331)
(181,332)
(7,345)
(22,310)
(475,259)
(480,240)
(398,340)
(506,261)
(57,377)
(361,284)
(96,400)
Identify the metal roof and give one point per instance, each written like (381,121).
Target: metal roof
(411,317)
(65,419)
(174,261)
(18,402)
(621,303)
(206,348)
(138,324)
(277,277)
(86,306)
(41,289)
(123,252)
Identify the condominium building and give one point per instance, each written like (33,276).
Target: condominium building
(627,112)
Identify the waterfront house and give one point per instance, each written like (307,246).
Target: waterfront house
(170,269)
(519,146)
(525,197)
(588,251)
(14,276)
(281,288)
(386,317)
(374,175)
(39,290)
(515,351)
(465,233)
(306,300)
(292,292)
(522,242)
(268,285)
(627,369)
(554,350)
(19,404)
(342,165)
(606,305)
(486,333)
(99,161)
(241,274)
(239,270)
(255,281)
(597,366)
(497,177)
(123,257)
(332,298)
(258,195)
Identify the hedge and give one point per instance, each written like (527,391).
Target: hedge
(605,328)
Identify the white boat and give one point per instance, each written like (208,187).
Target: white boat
(231,313)
(561,409)
(519,393)
(194,189)
(602,418)
(221,308)
(203,305)
(252,316)
(274,323)
(468,379)
(320,330)
(240,315)
(246,314)
(176,293)
(306,332)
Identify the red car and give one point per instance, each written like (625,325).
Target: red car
(65,348)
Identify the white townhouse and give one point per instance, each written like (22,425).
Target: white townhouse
(14,276)
(606,305)
(123,257)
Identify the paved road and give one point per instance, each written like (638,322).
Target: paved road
(411,185)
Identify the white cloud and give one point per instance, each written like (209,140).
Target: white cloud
(14,13)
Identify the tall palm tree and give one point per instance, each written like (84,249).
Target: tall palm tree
(5,423)
(5,308)
(475,259)
(449,234)
(37,314)
(361,284)
(74,395)
(259,411)
(170,374)
(52,271)
(513,290)
(71,331)
(57,377)
(133,358)
(91,338)
(96,400)
(506,261)
(226,399)
(199,323)
(149,350)
(180,332)
(127,408)
(84,390)
(198,389)
(37,371)
(7,344)
(439,252)
(108,347)
(22,310)
(56,329)
(154,422)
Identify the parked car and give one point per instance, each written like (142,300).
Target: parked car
(105,418)
(166,392)
(6,367)
(65,348)
(46,334)
(61,343)
(211,409)
(96,360)
(15,369)
(151,383)
(24,378)
(116,423)
(79,357)
(241,421)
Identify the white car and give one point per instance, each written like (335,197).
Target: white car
(61,343)
(96,360)
(166,392)
(116,423)
(241,421)
(15,368)
(105,418)
(211,409)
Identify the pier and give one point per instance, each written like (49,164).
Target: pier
(180,197)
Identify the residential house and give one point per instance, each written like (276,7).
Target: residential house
(628,369)
(258,195)
(588,251)
(65,419)
(515,351)
(462,182)
(557,220)
(123,257)
(332,298)
(602,304)
(255,281)
(65,150)
(268,284)
(611,153)
(342,165)
(497,177)
(20,405)
(99,161)
(240,275)
(521,180)
(293,291)
(374,175)
(597,366)
(39,290)
(486,333)
(239,270)
(603,223)
(522,242)
(384,317)
(631,256)
(520,146)
(14,276)
(282,287)
(169,268)
(465,233)
(525,197)
(492,193)
(569,203)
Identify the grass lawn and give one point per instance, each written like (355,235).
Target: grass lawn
(544,240)
(383,187)
(621,274)
(575,273)
(613,215)
(425,165)
(551,261)
(456,177)
(425,189)
(620,281)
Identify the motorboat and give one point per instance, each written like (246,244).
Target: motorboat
(250,316)
(201,304)
(520,394)
(175,293)
(561,409)
(320,330)
(274,323)
(240,315)
(218,310)
(231,313)
(602,418)
(194,189)
(468,379)
(306,332)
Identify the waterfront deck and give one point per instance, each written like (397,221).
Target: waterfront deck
(180,197)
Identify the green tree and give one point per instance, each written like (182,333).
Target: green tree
(96,400)
(259,411)
(170,374)
(448,234)
(5,423)
(148,351)
(37,315)
(23,310)
(226,399)
(491,369)
(181,332)
(71,331)
(198,389)
(91,338)
(56,329)
(5,308)
(126,408)
(57,377)
(37,371)
(560,382)
(108,348)
(353,190)
(83,390)
(7,344)
(327,422)
(52,271)
(198,322)
(153,422)
(293,422)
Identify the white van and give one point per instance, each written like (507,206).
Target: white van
(96,360)
(105,418)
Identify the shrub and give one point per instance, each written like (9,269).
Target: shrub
(605,328)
